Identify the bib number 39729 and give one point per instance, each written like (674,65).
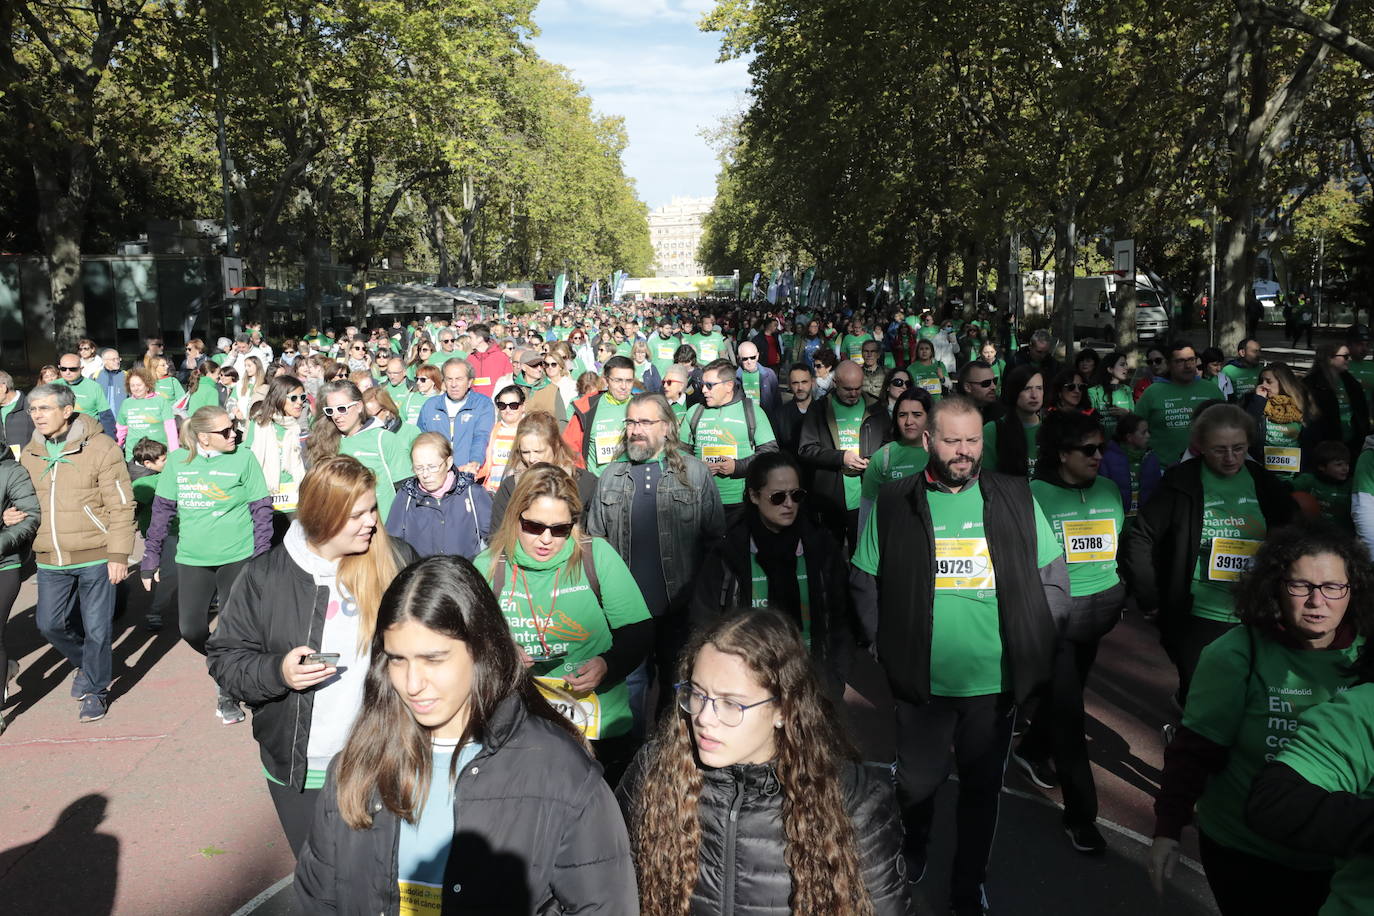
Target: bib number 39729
(1230,557)
(963,564)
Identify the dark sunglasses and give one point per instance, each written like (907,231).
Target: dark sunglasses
(549,364)
(781,496)
(898,383)
(984,383)
(1087,451)
(537,529)
(510,405)
(69,368)
(1075,386)
(227,432)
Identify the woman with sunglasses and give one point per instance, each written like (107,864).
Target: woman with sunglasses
(1280,407)
(1303,608)
(556,363)
(751,793)
(1069,393)
(774,555)
(927,372)
(421,349)
(578,618)
(1085,511)
(510,410)
(905,452)
(460,790)
(429,381)
(316,592)
(1010,444)
(346,429)
(896,383)
(356,356)
(584,356)
(990,354)
(1155,370)
(440,510)
(213,488)
(1109,393)
(277,432)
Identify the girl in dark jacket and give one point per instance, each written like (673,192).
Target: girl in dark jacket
(750,799)
(440,509)
(460,789)
(1341,411)
(317,592)
(775,556)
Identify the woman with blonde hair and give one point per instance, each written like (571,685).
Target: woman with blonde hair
(293,636)
(538,441)
(753,776)
(216,490)
(559,358)
(166,383)
(250,388)
(1281,408)
(575,612)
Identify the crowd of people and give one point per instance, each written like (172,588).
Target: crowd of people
(556,613)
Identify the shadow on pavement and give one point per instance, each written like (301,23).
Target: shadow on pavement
(76,865)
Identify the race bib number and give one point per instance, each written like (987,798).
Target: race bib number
(482,382)
(963,564)
(1230,557)
(666,352)
(606,444)
(1091,541)
(1283,460)
(582,710)
(932,385)
(286,497)
(419,898)
(718,451)
(709,352)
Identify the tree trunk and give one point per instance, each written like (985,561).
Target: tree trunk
(1065,252)
(62,201)
(438,237)
(969,293)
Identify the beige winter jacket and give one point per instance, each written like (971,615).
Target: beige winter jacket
(87,502)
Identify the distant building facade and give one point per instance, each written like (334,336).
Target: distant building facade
(675,232)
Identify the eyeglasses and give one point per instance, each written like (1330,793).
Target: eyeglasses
(781,496)
(1222,451)
(1075,386)
(443,340)
(633,425)
(429,468)
(509,405)
(1332,591)
(549,364)
(982,383)
(1088,450)
(227,432)
(537,529)
(1340,356)
(341,409)
(729,712)
(358,347)
(69,368)
(293,398)
(898,383)
(707,386)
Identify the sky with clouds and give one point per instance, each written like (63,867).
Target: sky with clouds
(646,61)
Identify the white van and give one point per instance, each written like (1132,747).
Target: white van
(1094,308)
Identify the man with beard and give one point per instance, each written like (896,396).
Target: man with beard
(958,581)
(660,511)
(978,383)
(837,438)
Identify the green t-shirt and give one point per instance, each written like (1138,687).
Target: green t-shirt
(1168,409)
(758,594)
(1232,530)
(893,461)
(1334,750)
(966,639)
(604,438)
(752,382)
(90,397)
(1282,448)
(1244,378)
(708,346)
(1088,524)
(1363,371)
(439,357)
(848,420)
(170,389)
(930,377)
(1101,400)
(1251,707)
(213,495)
(852,346)
(990,446)
(386,455)
(414,403)
(1343,407)
(551,608)
(1333,498)
(205,395)
(723,432)
(144,489)
(398,393)
(144,418)
(661,350)
(219,359)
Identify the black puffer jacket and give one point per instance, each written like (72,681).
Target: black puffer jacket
(742,868)
(536,831)
(274,607)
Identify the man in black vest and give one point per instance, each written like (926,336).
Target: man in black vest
(959,582)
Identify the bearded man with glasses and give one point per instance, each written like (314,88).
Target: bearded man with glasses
(978,383)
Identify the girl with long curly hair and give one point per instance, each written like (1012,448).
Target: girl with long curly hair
(753,774)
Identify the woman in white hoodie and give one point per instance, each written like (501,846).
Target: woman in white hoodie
(277,428)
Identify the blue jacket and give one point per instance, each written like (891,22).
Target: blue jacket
(112,383)
(456,522)
(1116,466)
(769,399)
(468,430)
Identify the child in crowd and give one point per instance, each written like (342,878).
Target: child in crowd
(149,458)
(1329,483)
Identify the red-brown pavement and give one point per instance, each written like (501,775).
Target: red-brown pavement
(160,808)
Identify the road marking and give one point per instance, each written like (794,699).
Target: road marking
(84,740)
(262,898)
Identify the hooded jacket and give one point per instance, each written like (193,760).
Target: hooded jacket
(742,866)
(818,448)
(86,499)
(18,425)
(16,490)
(1116,466)
(456,521)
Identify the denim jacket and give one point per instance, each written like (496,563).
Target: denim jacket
(690,519)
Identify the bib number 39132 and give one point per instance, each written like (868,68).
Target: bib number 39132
(1230,557)
(963,564)
(582,710)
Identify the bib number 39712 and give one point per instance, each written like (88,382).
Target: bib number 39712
(1230,557)
(963,564)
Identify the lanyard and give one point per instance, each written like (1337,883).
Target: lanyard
(539,629)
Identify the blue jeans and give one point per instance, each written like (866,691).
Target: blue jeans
(87,646)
